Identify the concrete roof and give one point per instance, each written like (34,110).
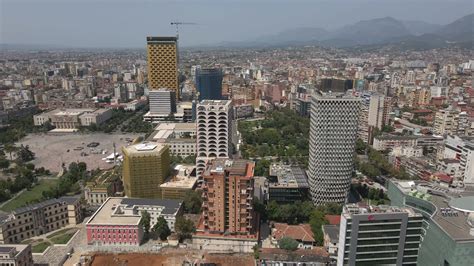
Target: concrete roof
(104,215)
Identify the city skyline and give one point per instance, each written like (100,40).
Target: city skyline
(132,21)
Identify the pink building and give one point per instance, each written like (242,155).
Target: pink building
(110,225)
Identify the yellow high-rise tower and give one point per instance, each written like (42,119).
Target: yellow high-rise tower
(162,54)
(145,167)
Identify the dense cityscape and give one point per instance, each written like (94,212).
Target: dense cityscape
(261,155)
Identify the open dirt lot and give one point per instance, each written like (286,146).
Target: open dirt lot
(171,258)
(51,150)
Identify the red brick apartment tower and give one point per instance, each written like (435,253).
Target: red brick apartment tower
(227,198)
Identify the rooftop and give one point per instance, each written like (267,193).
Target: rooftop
(15,248)
(182,179)
(112,210)
(332,231)
(232,167)
(144,148)
(301,232)
(355,209)
(451,207)
(288,176)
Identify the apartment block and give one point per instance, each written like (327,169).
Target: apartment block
(227,195)
(214,132)
(228,221)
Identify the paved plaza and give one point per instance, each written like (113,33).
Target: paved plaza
(52,150)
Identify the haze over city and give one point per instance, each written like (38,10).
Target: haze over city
(123,24)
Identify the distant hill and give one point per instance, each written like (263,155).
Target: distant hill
(374,32)
(417,27)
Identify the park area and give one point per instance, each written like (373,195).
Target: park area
(53,150)
(29,196)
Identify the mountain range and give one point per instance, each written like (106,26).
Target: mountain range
(374,32)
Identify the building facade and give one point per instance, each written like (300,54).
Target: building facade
(162,65)
(379,235)
(40,218)
(214,132)
(145,168)
(162,102)
(333,132)
(117,221)
(227,198)
(209,83)
(16,255)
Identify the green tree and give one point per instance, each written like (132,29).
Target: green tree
(360,146)
(184,227)
(192,202)
(288,243)
(145,222)
(161,228)
(4,163)
(10,149)
(316,222)
(25,154)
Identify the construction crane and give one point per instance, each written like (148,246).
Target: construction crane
(177,23)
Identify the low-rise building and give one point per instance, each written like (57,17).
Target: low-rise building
(288,184)
(180,137)
(73,118)
(301,233)
(243,111)
(182,182)
(97,117)
(39,218)
(107,184)
(16,255)
(117,221)
(331,239)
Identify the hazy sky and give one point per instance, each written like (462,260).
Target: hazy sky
(126,23)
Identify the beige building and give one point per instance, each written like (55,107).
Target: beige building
(40,218)
(73,118)
(180,137)
(97,117)
(182,182)
(16,255)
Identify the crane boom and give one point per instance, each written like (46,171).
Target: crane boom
(177,23)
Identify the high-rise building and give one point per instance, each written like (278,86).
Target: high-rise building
(162,54)
(371,115)
(379,235)
(162,101)
(214,132)
(145,167)
(227,197)
(336,85)
(333,132)
(209,83)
